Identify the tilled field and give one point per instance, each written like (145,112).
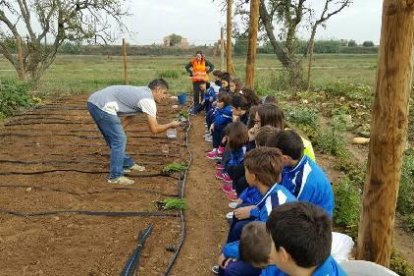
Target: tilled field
(58,214)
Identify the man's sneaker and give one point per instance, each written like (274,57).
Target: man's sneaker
(122,180)
(134,167)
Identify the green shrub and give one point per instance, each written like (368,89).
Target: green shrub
(330,142)
(168,74)
(13,94)
(352,91)
(405,204)
(347,206)
(174,204)
(400,266)
(305,119)
(408,222)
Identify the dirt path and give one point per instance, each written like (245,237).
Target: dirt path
(206,208)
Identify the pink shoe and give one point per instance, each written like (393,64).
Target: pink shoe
(220,150)
(232,196)
(222,175)
(219,167)
(213,155)
(227,188)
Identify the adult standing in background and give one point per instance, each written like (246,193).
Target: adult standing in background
(106,106)
(198,68)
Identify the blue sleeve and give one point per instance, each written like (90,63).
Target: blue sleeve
(231,250)
(255,212)
(244,195)
(222,119)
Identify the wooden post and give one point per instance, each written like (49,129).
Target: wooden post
(388,131)
(22,71)
(124,58)
(229,55)
(222,48)
(251,48)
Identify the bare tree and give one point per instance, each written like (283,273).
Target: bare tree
(338,6)
(60,20)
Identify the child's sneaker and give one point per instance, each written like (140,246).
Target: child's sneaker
(208,138)
(227,188)
(219,167)
(222,175)
(122,180)
(229,215)
(220,150)
(215,269)
(134,167)
(232,196)
(233,205)
(213,155)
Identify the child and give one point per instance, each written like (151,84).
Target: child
(236,137)
(264,134)
(217,81)
(301,242)
(262,169)
(209,96)
(300,175)
(222,117)
(235,86)
(250,96)
(240,109)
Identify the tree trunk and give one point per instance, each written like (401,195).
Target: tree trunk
(251,48)
(21,72)
(388,131)
(310,52)
(229,57)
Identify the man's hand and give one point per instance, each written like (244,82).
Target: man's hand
(243,212)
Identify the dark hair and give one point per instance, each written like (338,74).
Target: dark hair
(226,76)
(265,163)
(255,244)
(158,83)
(238,83)
(224,97)
(303,230)
(238,101)
(199,52)
(252,115)
(289,143)
(251,96)
(263,135)
(237,133)
(271,115)
(217,73)
(270,99)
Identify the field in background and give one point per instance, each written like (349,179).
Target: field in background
(83,74)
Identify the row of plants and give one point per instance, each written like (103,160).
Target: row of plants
(13,96)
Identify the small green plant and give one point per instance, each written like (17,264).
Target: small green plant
(347,206)
(169,74)
(183,114)
(173,204)
(306,119)
(174,167)
(408,222)
(399,265)
(13,94)
(405,204)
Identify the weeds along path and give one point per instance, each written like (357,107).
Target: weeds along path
(206,226)
(58,214)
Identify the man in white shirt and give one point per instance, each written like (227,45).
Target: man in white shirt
(106,106)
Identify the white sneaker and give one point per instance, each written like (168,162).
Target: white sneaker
(229,215)
(122,180)
(233,204)
(135,167)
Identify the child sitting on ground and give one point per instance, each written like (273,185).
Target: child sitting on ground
(240,108)
(236,139)
(300,175)
(209,96)
(222,117)
(262,169)
(301,238)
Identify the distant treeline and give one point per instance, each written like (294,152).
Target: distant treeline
(240,48)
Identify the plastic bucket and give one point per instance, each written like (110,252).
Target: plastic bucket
(365,268)
(182,98)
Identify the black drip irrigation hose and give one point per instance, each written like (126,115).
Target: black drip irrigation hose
(53,162)
(131,265)
(42,188)
(89,213)
(181,183)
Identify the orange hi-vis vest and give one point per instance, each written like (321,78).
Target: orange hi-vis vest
(199,70)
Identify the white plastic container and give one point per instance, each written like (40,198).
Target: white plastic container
(365,268)
(172,133)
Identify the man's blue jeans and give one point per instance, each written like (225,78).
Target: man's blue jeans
(111,128)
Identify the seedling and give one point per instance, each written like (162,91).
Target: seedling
(171,204)
(183,114)
(174,167)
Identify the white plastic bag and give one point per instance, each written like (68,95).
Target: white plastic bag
(341,246)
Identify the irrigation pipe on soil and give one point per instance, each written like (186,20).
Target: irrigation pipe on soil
(133,260)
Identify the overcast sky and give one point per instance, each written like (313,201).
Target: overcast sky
(200,20)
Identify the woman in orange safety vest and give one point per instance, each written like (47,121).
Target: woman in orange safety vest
(198,68)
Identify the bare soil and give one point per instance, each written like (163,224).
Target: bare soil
(53,158)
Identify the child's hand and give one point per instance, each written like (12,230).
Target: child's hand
(243,212)
(253,132)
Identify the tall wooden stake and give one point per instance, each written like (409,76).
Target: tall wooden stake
(222,48)
(124,58)
(22,71)
(388,131)
(251,48)
(229,56)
